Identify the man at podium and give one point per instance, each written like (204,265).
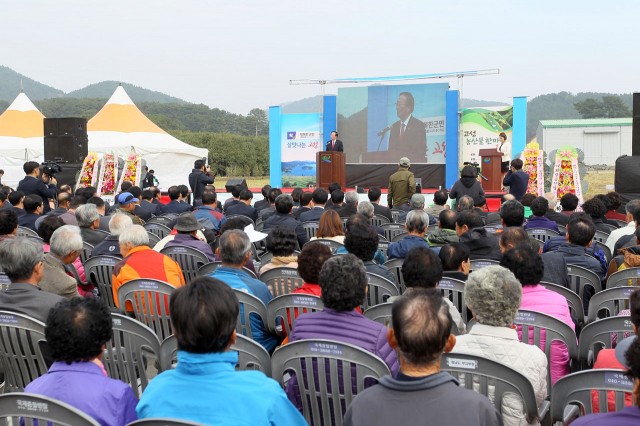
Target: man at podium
(334,144)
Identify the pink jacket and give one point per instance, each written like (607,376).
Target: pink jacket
(537,298)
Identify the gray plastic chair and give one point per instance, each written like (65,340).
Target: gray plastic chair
(479,374)
(580,277)
(573,300)
(399,236)
(612,300)
(281,281)
(605,249)
(379,291)
(99,272)
(395,266)
(283,310)
(453,290)
(150,301)
(599,335)
(392,229)
(85,254)
(158,229)
(333,245)
(601,236)
(4,281)
(241,217)
(383,246)
(27,232)
(542,234)
(625,277)
(380,313)
(189,259)
(153,239)
(249,305)
(311,228)
(209,268)
(21,350)
(395,214)
(162,219)
(482,263)
(29,408)
(572,394)
(379,220)
(322,401)
(163,422)
(124,355)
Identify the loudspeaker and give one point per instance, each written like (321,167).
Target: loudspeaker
(69,174)
(231,183)
(635,132)
(65,139)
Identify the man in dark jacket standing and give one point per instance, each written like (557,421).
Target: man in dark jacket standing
(33,185)
(198,179)
(516,179)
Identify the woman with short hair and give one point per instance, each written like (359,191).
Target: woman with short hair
(282,242)
(330,227)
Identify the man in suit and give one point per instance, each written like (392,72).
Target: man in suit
(334,144)
(408,137)
(318,200)
(22,260)
(264,203)
(243,208)
(146,208)
(175,206)
(32,184)
(33,207)
(374,196)
(350,206)
(265,212)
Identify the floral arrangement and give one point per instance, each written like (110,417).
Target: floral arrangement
(132,169)
(566,175)
(108,176)
(89,172)
(534,167)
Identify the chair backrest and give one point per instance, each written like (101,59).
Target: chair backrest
(576,390)
(311,228)
(611,228)
(163,220)
(150,301)
(323,400)
(124,355)
(333,245)
(542,234)
(395,214)
(21,343)
(267,256)
(379,220)
(189,259)
(395,266)
(153,239)
(99,270)
(453,290)
(601,236)
(379,290)
(249,305)
(605,249)
(209,268)
(380,313)
(480,374)
(4,281)
(611,300)
(601,335)
(392,229)
(398,237)
(283,310)
(573,300)
(482,263)
(625,277)
(281,280)
(26,408)
(158,229)
(580,277)
(26,232)
(383,246)
(562,229)
(242,217)
(85,254)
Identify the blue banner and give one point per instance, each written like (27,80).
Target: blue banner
(301,138)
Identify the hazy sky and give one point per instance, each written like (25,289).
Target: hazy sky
(237,55)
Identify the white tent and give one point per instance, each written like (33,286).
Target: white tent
(120,126)
(21,138)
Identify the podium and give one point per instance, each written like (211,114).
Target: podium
(331,167)
(491,168)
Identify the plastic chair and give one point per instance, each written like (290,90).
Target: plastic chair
(150,301)
(379,220)
(574,301)
(85,254)
(26,232)
(453,290)
(621,223)
(162,220)
(392,229)
(625,277)
(580,277)
(158,229)
(99,272)
(601,236)
(482,263)
(612,300)
(285,309)
(395,214)
(383,246)
(379,290)
(251,355)
(479,374)
(311,228)
(21,350)
(562,229)
(599,335)
(542,234)
(4,281)
(399,236)
(209,268)
(395,266)
(189,259)
(25,408)
(243,217)
(157,421)
(281,280)
(153,239)
(322,399)
(605,249)
(380,313)
(124,355)
(249,305)
(572,394)
(333,245)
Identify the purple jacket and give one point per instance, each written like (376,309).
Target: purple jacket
(189,240)
(541,222)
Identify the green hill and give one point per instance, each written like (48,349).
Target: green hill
(10,83)
(104,90)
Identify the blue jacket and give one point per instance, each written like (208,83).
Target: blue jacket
(517,183)
(239,280)
(206,213)
(400,249)
(205,388)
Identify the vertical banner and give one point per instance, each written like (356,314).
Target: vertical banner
(300,140)
(480,130)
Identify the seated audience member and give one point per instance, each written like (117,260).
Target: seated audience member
(607,205)
(337,200)
(175,205)
(569,203)
(242,223)
(208,214)
(264,203)
(629,256)
(468,184)
(234,250)
(235,197)
(421,333)
(8,224)
(596,209)
(416,203)
(205,386)
(187,227)
(139,261)
(319,199)
(33,207)
(416,226)
(472,235)
(22,260)
(146,209)
(493,294)
(16,199)
(127,204)
(350,206)
(465,203)
(552,214)
(440,199)
(296,194)
(361,220)
(365,208)
(243,208)
(283,218)
(110,245)
(77,331)
(305,200)
(445,233)
(102,211)
(526,264)
(282,242)
(422,269)
(69,217)
(374,196)
(538,220)
(45,231)
(65,247)
(343,281)
(362,241)
(632,209)
(512,213)
(89,221)
(514,236)
(330,227)
(332,187)
(310,263)
(455,261)
(526,201)
(614,207)
(271,209)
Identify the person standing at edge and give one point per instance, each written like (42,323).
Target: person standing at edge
(505,148)
(334,144)
(198,179)
(516,179)
(402,185)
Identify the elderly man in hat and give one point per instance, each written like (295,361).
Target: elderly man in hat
(402,185)
(187,227)
(127,204)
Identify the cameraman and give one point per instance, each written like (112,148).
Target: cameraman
(468,184)
(45,187)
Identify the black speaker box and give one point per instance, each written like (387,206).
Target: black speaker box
(69,174)
(418,185)
(231,183)
(635,130)
(65,139)
(627,176)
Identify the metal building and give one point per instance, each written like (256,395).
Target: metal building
(603,140)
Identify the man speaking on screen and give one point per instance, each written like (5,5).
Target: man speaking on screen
(408,136)
(334,144)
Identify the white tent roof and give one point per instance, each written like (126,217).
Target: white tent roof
(120,125)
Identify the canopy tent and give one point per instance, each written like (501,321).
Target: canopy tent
(120,126)
(21,138)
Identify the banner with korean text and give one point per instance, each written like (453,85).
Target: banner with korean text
(301,138)
(480,130)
